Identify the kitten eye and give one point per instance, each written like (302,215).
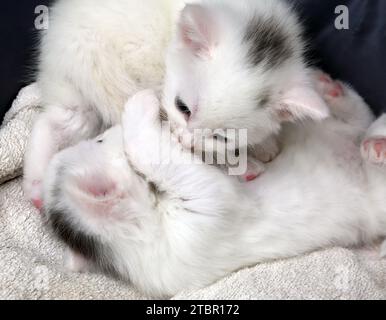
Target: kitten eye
(220,138)
(182,107)
(100,141)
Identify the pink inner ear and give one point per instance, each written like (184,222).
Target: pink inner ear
(96,195)
(285,115)
(98,190)
(97,186)
(302,102)
(188,36)
(197,29)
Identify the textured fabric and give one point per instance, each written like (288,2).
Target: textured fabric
(329,275)
(31,259)
(15,130)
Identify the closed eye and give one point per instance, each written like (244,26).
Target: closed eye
(182,107)
(220,138)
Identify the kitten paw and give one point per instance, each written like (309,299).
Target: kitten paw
(142,106)
(374,150)
(141,115)
(266,152)
(33,191)
(254,170)
(142,129)
(74,262)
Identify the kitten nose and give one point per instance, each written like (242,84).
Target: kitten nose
(183,108)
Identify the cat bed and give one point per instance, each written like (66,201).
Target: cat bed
(31,259)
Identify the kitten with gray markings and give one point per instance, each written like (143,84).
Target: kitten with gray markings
(223,64)
(167,226)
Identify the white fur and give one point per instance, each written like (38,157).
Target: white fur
(317,193)
(97,53)
(94,56)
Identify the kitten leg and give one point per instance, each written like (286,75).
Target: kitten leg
(258,155)
(54,130)
(148,146)
(255,168)
(142,131)
(345,103)
(373,150)
(267,150)
(75,262)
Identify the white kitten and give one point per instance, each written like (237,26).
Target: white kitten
(168,226)
(239,64)
(231,64)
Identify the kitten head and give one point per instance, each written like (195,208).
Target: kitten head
(91,201)
(238,65)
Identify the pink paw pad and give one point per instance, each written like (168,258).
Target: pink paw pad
(36,195)
(374,150)
(38,203)
(251,177)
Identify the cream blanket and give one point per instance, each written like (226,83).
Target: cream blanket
(31,259)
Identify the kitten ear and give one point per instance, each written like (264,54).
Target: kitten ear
(301,102)
(97,186)
(98,192)
(197,29)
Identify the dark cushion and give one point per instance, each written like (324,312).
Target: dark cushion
(18,39)
(356,55)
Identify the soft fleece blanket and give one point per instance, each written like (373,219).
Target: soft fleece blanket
(31,259)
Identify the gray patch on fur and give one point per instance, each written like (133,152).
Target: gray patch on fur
(163,115)
(154,188)
(157,192)
(268,42)
(89,246)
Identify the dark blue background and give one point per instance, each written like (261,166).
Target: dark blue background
(18,39)
(357,55)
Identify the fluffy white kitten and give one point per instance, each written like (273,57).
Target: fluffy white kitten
(167,225)
(230,64)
